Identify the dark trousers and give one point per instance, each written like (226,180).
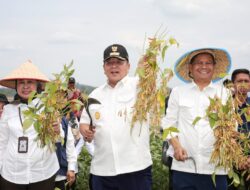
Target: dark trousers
(62,185)
(47,184)
(192,181)
(139,180)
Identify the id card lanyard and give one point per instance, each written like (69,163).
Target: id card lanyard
(22,141)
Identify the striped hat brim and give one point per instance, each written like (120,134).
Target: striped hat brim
(221,57)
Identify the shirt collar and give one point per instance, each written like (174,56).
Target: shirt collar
(194,85)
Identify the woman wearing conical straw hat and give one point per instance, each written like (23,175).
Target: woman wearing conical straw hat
(23,163)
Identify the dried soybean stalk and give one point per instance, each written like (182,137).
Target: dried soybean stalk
(230,146)
(152,86)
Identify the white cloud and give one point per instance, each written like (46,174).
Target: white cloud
(55,32)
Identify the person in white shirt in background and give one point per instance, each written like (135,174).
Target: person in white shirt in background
(67,157)
(192,145)
(122,158)
(79,143)
(23,163)
(3,102)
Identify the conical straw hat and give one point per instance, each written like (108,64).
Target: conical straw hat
(221,57)
(26,70)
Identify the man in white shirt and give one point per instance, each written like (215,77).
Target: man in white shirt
(122,159)
(192,145)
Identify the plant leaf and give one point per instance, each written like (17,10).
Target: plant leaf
(168,131)
(196,120)
(27,123)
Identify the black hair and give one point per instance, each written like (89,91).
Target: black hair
(239,71)
(226,82)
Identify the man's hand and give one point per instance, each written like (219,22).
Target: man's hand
(245,165)
(87,132)
(70,177)
(180,153)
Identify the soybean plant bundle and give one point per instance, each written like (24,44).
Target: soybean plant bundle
(152,86)
(231,147)
(52,106)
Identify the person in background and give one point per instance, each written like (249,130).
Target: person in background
(3,102)
(192,146)
(122,159)
(79,143)
(67,157)
(23,163)
(241,83)
(74,94)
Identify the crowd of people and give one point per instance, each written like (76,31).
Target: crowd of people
(121,158)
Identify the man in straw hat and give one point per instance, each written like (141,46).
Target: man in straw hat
(23,163)
(192,146)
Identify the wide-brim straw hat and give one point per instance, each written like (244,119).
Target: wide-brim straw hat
(26,70)
(222,63)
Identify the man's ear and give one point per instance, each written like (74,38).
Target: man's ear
(189,67)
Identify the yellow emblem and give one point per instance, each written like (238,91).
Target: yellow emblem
(97,115)
(114,48)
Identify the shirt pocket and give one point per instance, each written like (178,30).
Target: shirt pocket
(187,108)
(125,104)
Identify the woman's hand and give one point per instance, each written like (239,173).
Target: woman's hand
(56,126)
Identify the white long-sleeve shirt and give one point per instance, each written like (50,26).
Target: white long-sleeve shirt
(185,104)
(89,146)
(70,154)
(117,150)
(36,165)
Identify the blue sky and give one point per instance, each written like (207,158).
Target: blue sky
(53,32)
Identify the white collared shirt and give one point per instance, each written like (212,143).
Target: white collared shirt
(36,165)
(186,102)
(71,154)
(117,150)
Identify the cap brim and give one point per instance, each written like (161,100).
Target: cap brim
(118,57)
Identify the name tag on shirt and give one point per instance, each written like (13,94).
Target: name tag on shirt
(22,144)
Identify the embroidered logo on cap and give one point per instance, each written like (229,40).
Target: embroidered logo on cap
(114,48)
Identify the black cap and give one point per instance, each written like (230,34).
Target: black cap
(72,80)
(3,99)
(115,50)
